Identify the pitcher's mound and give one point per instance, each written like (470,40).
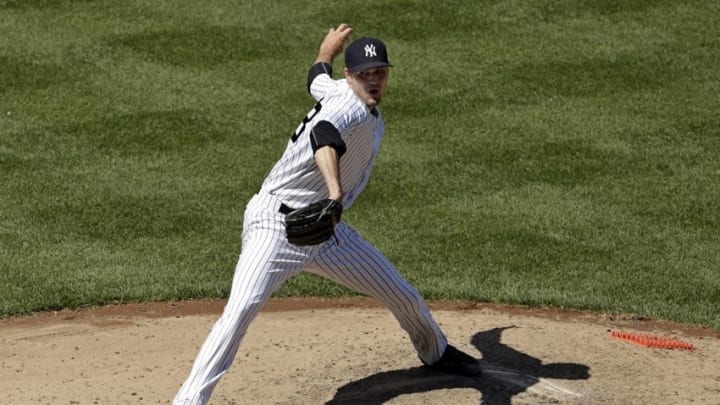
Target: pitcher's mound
(351,351)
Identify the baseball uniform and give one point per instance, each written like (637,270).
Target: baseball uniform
(339,119)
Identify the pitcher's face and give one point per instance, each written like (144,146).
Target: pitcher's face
(370,85)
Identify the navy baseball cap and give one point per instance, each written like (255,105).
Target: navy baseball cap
(366,53)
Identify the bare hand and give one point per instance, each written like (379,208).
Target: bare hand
(333,43)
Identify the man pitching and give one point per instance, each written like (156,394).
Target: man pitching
(325,166)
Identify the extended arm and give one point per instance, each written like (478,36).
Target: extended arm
(331,46)
(327,142)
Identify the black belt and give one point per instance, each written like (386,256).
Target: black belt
(284,209)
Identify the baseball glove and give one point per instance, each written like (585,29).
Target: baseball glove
(313,224)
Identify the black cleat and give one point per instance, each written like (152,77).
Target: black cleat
(453,361)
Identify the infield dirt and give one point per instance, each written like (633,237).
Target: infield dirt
(352,351)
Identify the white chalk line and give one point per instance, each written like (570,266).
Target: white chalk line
(531,384)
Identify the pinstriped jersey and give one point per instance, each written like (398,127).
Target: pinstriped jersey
(296,179)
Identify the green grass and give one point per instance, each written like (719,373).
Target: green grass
(547,153)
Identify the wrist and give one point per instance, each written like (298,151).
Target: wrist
(325,57)
(336,197)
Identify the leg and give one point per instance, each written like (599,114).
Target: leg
(357,264)
(265,263)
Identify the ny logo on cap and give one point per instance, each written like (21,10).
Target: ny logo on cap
(370,51)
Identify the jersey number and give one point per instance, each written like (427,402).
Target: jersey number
(301,128)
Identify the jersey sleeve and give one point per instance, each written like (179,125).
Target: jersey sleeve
(321,85)
(325,133)
(316,70)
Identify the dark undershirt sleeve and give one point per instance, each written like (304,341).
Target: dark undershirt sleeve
(318,69)
(325,134)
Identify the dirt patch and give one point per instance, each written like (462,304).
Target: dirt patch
(352,351)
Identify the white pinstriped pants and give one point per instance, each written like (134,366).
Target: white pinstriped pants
(267,260)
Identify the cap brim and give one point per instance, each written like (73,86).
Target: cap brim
(368,65)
